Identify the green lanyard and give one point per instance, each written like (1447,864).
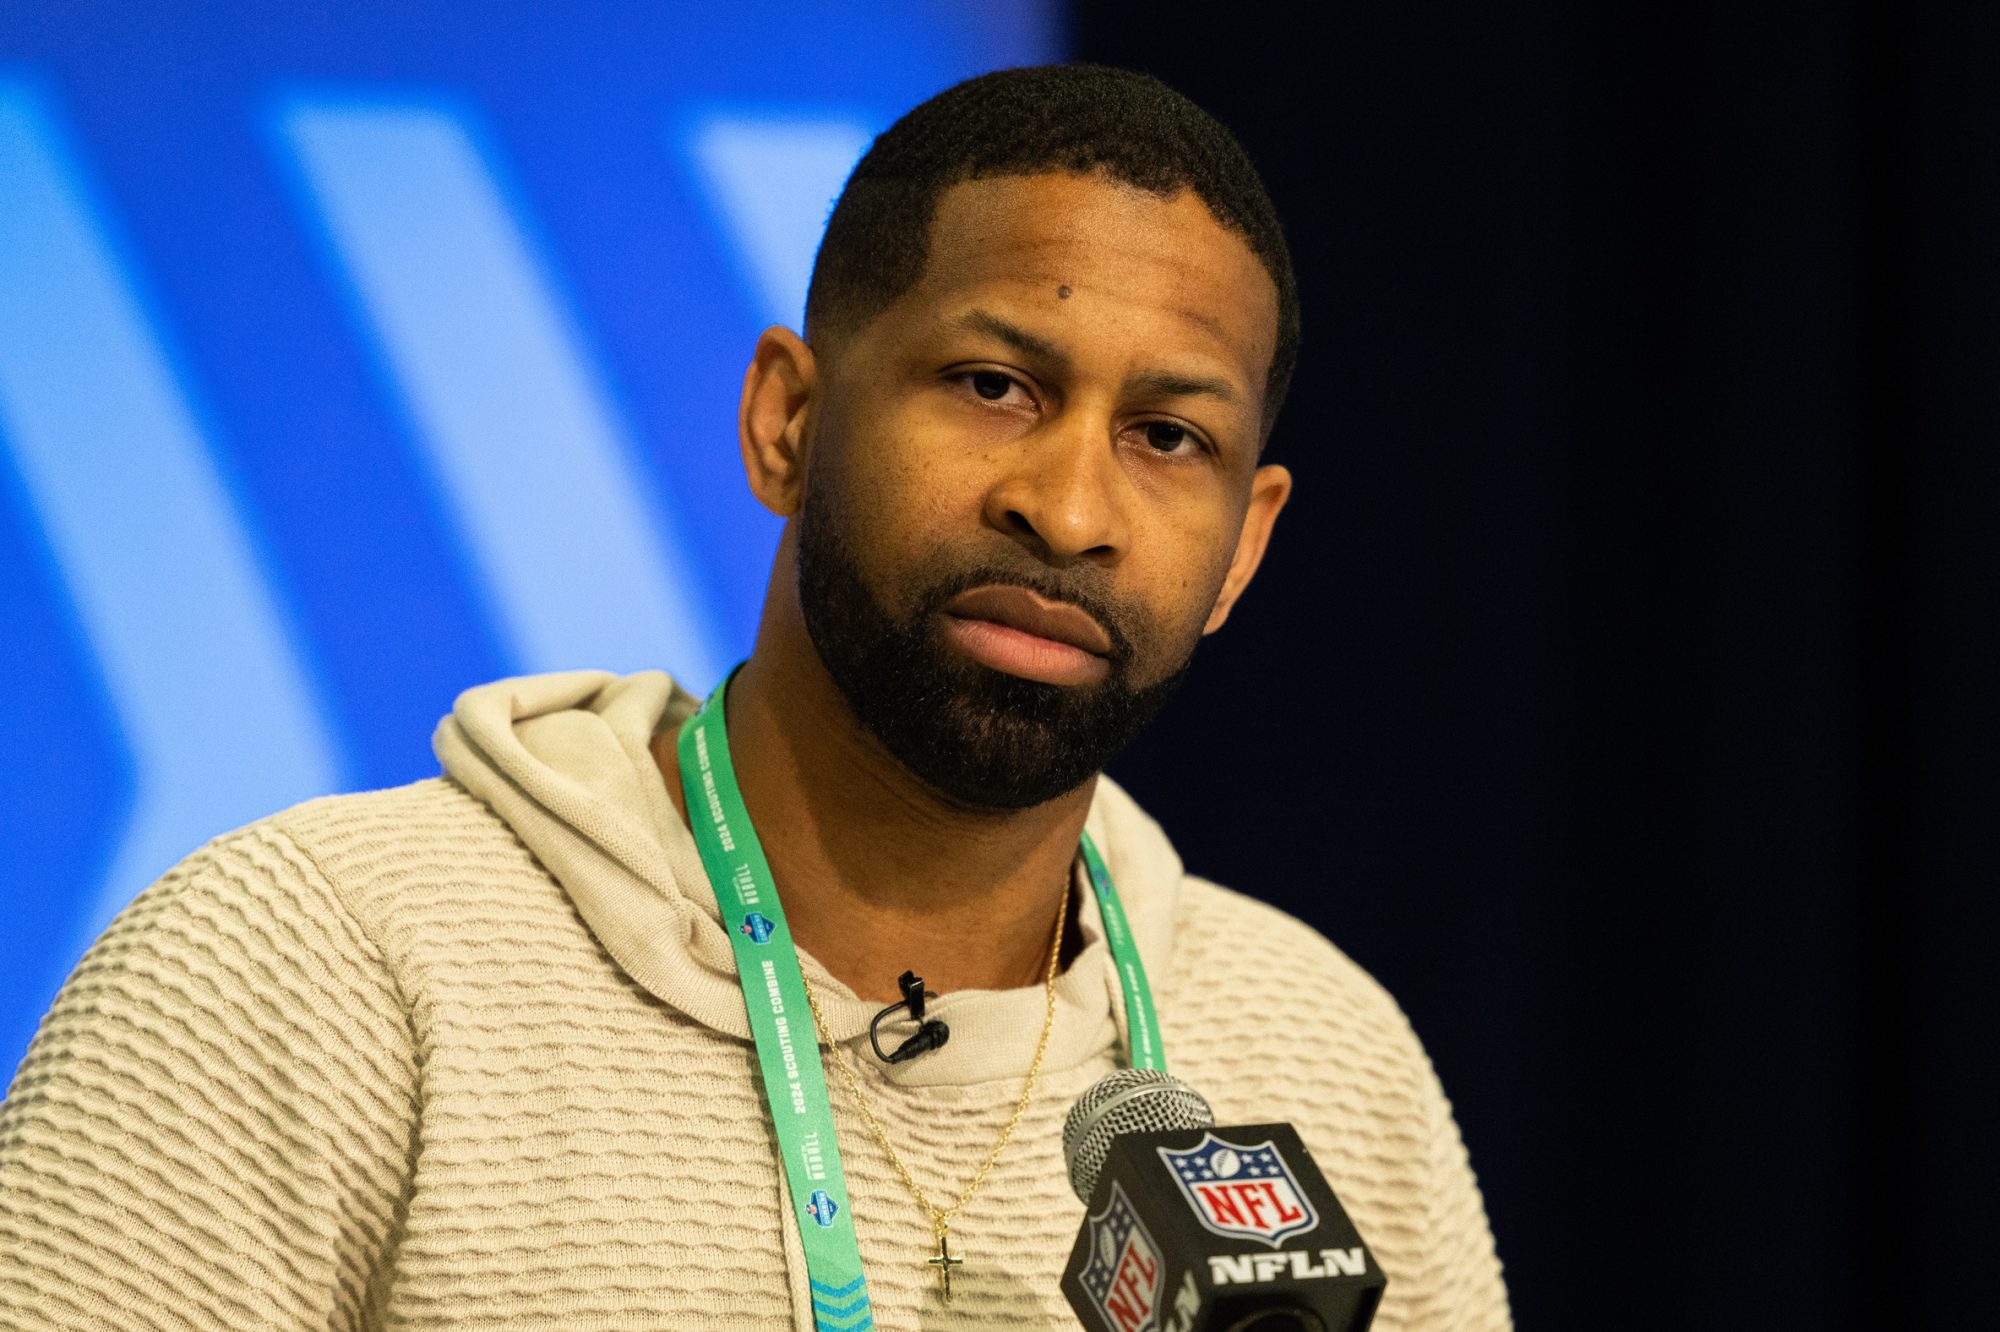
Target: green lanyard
(774,992)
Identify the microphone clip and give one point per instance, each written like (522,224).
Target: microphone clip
(930,1032)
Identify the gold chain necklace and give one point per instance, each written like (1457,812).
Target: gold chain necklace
(941,1217)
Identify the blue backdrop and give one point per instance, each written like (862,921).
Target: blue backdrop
(351,355)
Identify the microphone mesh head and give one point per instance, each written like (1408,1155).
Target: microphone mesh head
(1132,1100)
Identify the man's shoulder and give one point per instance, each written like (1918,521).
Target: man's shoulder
(1225,940)
(432,810)
(1274,1023)
(1233,959)
(367,850)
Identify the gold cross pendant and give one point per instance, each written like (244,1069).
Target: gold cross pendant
(944,1262)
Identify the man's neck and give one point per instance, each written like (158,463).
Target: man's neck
(878,873)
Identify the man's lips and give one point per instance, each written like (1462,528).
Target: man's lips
(1029,612)
(1015,630)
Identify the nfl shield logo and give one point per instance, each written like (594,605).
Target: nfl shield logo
(758,926)
(1123,1275)
(1241,1191)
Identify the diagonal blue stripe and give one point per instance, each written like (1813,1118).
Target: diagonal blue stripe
(821,1288)
(218,709)
(774,181)
(581,565)
(842,1309)
(846,1323)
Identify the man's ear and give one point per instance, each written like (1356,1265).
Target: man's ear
(1269,489)
(772,422)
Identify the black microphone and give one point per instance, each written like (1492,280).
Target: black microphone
(930,1032)
(1191,1227)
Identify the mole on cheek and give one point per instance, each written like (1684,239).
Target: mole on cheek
(1062,293)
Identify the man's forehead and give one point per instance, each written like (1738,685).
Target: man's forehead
(1061,218)
(1095,247)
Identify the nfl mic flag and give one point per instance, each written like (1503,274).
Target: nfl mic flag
(1218,1228)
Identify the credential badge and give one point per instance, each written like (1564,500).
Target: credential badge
(1241,1191)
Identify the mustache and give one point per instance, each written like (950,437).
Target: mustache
(1052,584)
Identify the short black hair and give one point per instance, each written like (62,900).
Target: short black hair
(1017,122)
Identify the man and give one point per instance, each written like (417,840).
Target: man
(477,1052)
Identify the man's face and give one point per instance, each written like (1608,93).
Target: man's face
(1026,481)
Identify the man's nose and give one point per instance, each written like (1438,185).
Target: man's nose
(1063,494)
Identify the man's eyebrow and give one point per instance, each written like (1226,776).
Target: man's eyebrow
(1161,383)
(1020,339)
(1168,384)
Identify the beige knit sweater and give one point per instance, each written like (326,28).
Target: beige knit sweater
(471,1053)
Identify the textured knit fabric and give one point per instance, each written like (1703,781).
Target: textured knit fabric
(471,1054)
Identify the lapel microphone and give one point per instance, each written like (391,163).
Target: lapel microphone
(930,1032)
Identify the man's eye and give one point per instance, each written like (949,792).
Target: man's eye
(1166,436)
(991,384)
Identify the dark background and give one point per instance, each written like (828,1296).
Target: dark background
(1618,683)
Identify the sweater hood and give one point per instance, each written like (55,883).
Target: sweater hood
(564,760)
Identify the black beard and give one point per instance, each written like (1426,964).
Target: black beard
(983,738)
